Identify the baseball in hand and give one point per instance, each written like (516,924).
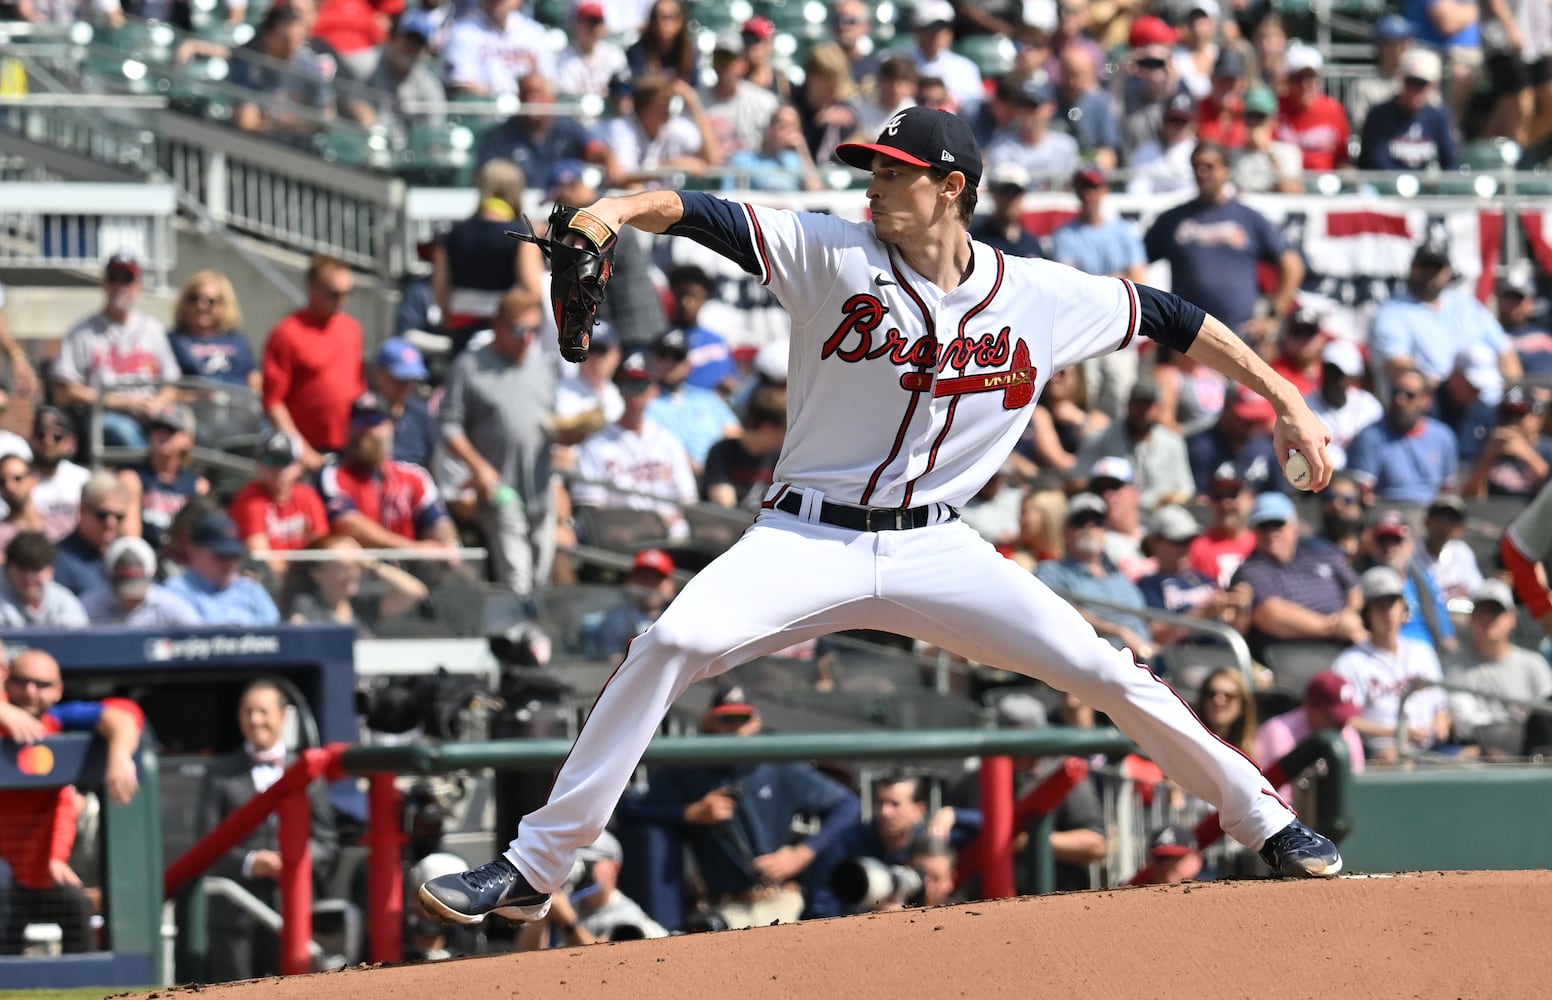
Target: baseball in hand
(1297,470)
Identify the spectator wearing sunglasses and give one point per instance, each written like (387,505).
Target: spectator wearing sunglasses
(207,337)
(79,565)
(117,359)
(1410,131)
(1406,456)
(1299,589)
(1086,571)
(57,494)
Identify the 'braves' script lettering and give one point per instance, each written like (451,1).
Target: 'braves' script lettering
(858,338)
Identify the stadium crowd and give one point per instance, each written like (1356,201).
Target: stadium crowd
(1142,482)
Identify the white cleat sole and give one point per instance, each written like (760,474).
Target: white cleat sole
(519,914)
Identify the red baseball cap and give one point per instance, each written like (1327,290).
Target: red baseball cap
(653,559)
(761,28)
(1333,692)
(1392,523)
(1151,31)
(1252,408)
(590,10)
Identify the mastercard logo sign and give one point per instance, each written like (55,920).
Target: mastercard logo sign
(35,760)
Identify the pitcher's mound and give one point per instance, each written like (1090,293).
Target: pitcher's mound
(1451,934)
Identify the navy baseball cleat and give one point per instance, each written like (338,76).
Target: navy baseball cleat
(1296,851)
(469,897)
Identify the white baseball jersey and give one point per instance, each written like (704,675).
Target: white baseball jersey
(1358,411)
(652,462)
(1381,678)
(479,54)
(902,395)
(104,354)
(577,73)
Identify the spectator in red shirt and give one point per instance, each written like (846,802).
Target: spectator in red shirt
(36,881)
(277,512)
(313,364)
(1217,552)
(380,502)
(1221,115)
(1309,119)
(1298,350)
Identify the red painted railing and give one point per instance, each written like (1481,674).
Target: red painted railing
(991,854)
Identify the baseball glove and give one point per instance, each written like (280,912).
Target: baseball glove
(579,248)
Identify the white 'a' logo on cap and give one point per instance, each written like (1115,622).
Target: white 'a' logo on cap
(894,123)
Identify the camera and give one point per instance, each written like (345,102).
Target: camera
(868,883)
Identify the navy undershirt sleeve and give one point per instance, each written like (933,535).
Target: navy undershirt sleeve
(1169,319)
(718,225)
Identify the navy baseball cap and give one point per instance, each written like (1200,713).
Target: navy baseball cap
(217,532)
(922,137)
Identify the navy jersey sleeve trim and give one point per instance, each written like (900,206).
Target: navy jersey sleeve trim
(723,227)
(1169,319)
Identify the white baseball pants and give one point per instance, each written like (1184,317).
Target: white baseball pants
(789,579)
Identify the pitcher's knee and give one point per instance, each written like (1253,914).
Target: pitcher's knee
(676,638)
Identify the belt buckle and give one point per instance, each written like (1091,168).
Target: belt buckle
(894,519)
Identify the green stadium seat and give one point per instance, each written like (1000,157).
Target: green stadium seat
(992,54)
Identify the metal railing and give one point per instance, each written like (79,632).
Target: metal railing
(1231,639)
(1406,749)
(77,226)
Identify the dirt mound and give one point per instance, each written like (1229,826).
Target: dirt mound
(1450,934)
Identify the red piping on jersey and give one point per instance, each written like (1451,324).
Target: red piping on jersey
(773,501)
(1170,688)
(910,406)
(1131,323)
(948,421)
(759,244)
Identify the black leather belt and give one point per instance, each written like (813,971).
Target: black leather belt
(861,518)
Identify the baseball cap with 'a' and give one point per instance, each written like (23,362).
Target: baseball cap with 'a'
(1334,693)
(922,137)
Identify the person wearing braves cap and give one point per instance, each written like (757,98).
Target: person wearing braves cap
(1411,131)
(1173,857)
(1045,154)
(649,587)
(908,387)
(118,359)
(1177,587)
(1496,666)
(1387,664)
(397,377)
(1330,703)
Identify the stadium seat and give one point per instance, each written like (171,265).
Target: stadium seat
(1294,663)
(992,54)
(620,529)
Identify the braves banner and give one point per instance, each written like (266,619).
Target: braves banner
(1356,249)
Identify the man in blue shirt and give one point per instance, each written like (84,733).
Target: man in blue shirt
(711,360)
(1214,243)
(1429,324)
(1409,131)
(1406,456)
(1242,438)
(697,417)
(536,142)
(1093,242)
(1087,572)
(399,373)
(737,820)
(214,584)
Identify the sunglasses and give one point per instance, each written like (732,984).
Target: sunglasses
(1343,499)
(1227,493)
(850,21)
(202,300)
(27,682)
(120,278)
(1388,539)
(1151,64)
(1271,526)
(1417,82)
(107,515)
(1086,521)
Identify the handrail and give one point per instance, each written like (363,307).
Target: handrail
(1404,746)
(253,906)
(1217,630)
